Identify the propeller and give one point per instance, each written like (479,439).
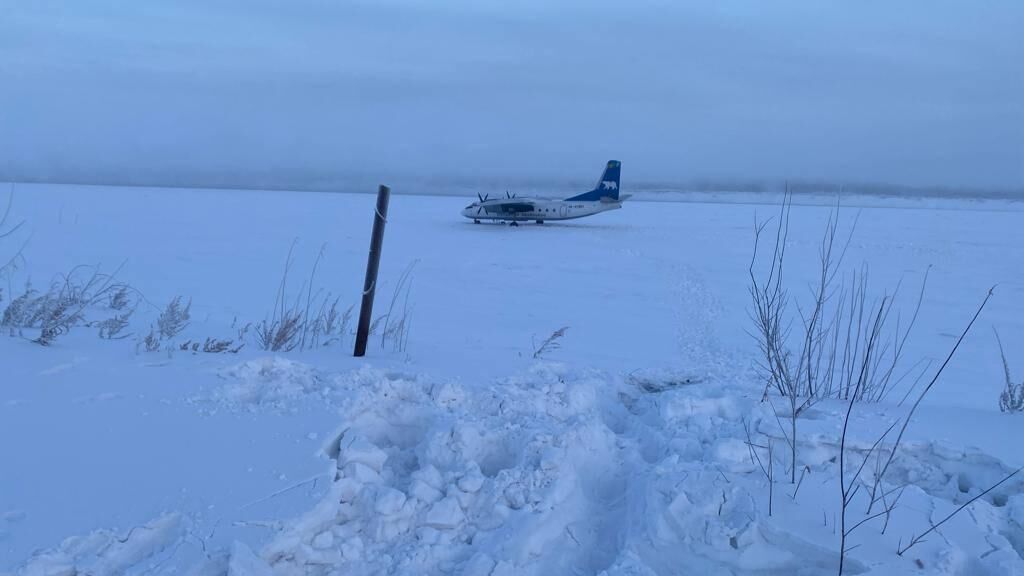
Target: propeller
(479,207)
(508,195)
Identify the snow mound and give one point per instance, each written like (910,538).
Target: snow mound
(277,384)
(434,477)
(562,472)
(105,553)
(269,383)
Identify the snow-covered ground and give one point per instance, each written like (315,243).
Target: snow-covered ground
(621,451)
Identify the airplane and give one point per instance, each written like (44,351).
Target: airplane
(604,197)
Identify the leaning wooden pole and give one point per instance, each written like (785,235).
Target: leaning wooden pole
(372,265)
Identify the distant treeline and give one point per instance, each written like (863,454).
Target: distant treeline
(824,187)
(470,186)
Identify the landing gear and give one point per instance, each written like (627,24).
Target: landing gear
(514,223)
(475,221)
(540,221)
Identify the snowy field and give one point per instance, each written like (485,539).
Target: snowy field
(457,452)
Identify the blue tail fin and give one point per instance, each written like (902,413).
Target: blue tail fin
(607,186)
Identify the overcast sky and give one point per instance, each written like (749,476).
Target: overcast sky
(917,92)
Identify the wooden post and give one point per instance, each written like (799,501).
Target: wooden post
(372,265)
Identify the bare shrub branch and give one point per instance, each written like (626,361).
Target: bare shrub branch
(6,229)
(111,327)
(396,326)
(769,470)
(152,341)
(309,320)
(849,489)
(280,334)
(906,420)
(1011,399)
(282,331)
(837,342)
(174,318)
(307,326)
(918,539)
(59,320)
(61,307)
(23,311)
(120,297)
(211,346)
(375,325)
(550,344)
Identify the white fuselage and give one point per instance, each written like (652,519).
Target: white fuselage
(542,209)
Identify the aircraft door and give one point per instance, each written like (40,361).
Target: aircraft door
(563,210)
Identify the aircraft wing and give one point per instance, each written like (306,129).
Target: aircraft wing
(512,207)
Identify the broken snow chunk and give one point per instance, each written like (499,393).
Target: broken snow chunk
(445,515)
(346,530)
(550,459)
(499,514)
(472,480)
(448,394)
(362,451)
(243,562)
(468,438)
(347,489)
(667,464)
(688,448)
(682,408)
(581,398)
(389,501)
(479,565)
(761,555)
(504,569)
(361,473)
(424,492)
(429,475)
(1015,510)
(352,549)
(428,536)
(733,455)
(515,495)
(679,505)
(323,540)
(465,499)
